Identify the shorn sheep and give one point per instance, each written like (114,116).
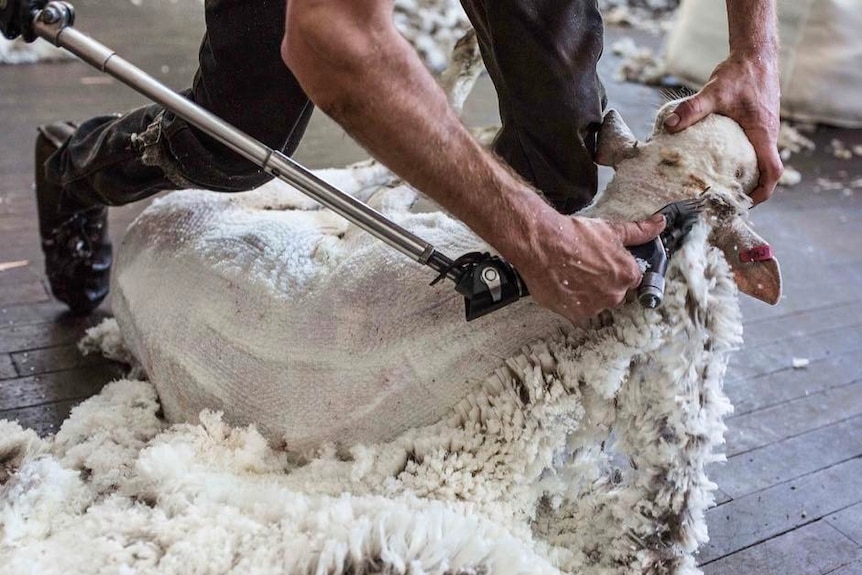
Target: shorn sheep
(401,439)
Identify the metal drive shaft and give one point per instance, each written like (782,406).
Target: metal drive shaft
(54,23)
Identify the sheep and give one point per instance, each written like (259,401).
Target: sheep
(584,453)
(387,435)
(240,302)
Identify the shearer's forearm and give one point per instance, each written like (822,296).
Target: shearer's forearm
(376,87)
(753,26)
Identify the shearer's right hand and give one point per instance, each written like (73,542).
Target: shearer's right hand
(580,266)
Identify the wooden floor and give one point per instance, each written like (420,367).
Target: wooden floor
(791,491)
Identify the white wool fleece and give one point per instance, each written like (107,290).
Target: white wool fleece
(520,477)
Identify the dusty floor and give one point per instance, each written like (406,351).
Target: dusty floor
(791,492)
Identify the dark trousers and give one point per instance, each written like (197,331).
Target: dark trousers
(541,55)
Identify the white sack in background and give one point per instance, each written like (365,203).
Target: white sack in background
(821,55)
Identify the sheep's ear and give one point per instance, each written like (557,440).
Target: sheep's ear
(615,141)
(755,269)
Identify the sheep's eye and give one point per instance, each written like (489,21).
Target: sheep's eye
(739,173)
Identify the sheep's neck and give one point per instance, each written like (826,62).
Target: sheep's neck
(634,195)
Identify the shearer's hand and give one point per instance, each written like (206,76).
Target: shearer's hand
(580,266)
(745,88)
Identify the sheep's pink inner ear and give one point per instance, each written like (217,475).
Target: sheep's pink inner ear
(755,269)
(615,140)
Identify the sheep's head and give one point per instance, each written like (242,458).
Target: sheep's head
(713,159)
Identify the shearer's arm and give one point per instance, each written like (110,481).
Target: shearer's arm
(745,87)
(353,64)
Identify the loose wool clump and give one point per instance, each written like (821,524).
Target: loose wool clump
(522,476)
(20,52)
(106,339)
(432,27)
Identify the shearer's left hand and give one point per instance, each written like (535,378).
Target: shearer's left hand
(744,87)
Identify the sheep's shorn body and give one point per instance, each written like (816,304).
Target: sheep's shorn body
(401,439)
(284,315)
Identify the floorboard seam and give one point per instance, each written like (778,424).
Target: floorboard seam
(80,335)
(840,567)
(836,528)
(50,371)
(35,405)
(735,416)
(777,535)
(798,478)
(790,368)
(795,435)
(797,313)
(805,335)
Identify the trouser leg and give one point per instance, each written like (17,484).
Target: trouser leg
(114,160)
(542,57)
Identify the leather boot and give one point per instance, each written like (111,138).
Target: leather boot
(75,240)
